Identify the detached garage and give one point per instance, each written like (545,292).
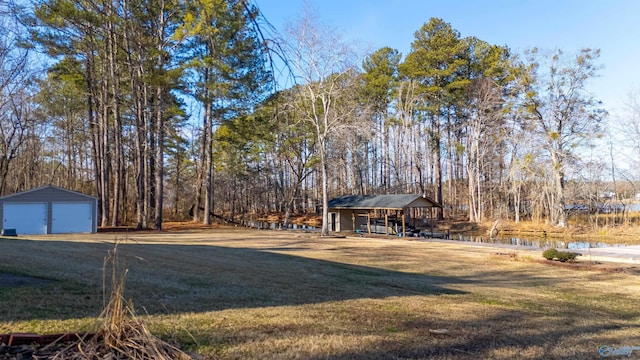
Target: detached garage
(49,210)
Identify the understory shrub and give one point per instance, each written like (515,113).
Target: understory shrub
(563,256)
(549,254)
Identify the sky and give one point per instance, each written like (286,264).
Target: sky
(613,26)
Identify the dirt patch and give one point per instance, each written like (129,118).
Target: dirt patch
(12,280)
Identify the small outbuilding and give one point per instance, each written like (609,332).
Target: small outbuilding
(49,210)
(386,214)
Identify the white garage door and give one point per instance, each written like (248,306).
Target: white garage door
(26,218)
(71,218)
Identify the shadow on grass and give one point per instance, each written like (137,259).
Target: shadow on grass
(501,336)
(176,279)
(190,278)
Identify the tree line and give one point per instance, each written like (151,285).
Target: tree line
(173,109)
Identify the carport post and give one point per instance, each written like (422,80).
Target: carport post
(431,219)
(353,221)
(386,223)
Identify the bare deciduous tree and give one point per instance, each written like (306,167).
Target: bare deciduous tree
(325,68)
(16,118)
(564,113)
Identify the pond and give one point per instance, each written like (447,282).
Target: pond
(534,243)
(266,225)
(539,243)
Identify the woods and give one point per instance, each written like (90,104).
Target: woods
(179,110)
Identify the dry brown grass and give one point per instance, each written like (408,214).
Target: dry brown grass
(237,294)
(122,335)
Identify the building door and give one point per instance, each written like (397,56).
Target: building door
(26,218)
(333,221)
(71,218)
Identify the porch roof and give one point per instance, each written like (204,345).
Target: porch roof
(389,202)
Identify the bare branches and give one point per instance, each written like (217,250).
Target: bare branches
(16,117)
(565,115)
(326,70)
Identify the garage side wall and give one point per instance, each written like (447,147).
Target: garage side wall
(347,217)
(346,223)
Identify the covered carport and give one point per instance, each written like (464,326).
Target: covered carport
(355,212)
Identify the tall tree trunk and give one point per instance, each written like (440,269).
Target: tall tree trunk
(94,131)
(438,165)
(200,170)
(159,117)
(558,212)
(178,182)
(4,171)
(208,170)
(146,157)
(159,174)
(140,146)
(105,162)
(325,188)
(118,157)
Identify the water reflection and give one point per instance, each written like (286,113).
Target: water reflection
(515,241)
(538,243)
(266,225)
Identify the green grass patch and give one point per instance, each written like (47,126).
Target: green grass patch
(562,256)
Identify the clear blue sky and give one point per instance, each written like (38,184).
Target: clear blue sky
(613,26)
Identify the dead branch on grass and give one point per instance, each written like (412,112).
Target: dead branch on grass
(122,334)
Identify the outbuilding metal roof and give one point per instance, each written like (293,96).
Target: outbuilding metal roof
(47,189)
(392,202)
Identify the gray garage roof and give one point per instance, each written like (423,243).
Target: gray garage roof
(47,192)
(392,202)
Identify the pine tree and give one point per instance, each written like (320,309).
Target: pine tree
(380,82)
(225,67)
(434,62)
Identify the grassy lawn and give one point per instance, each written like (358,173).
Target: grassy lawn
(241,294)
